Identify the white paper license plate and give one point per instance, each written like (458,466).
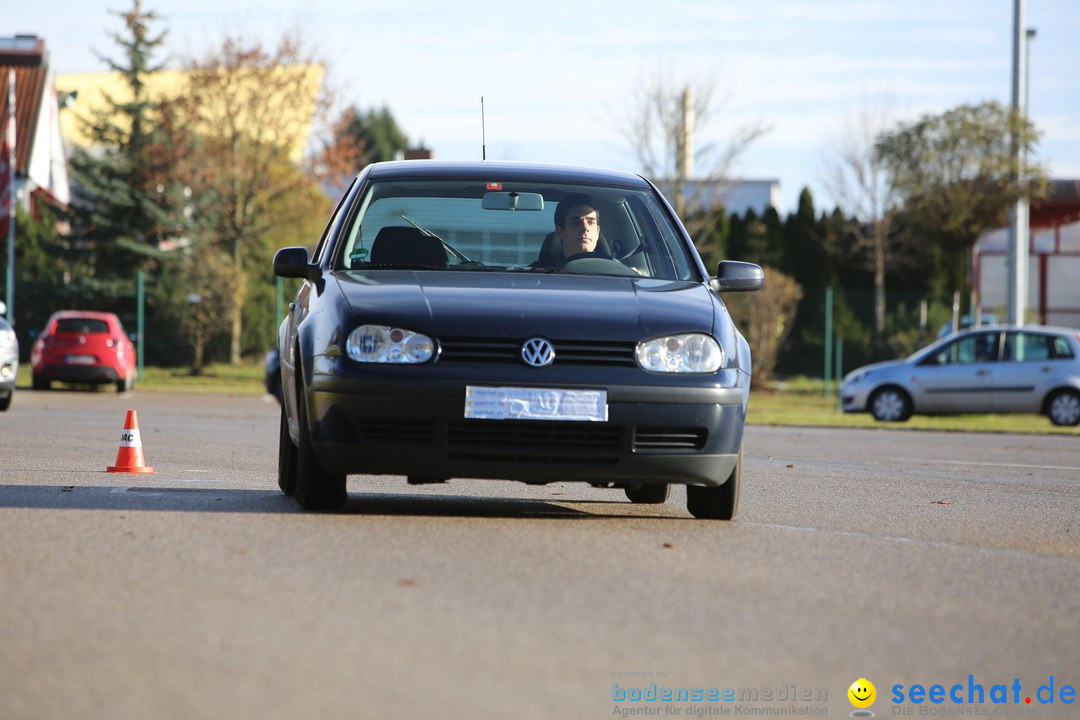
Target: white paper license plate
(512,403)
(79,359)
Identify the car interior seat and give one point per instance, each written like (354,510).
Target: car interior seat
(397,245)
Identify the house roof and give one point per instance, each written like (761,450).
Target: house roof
(26,56)
(1060,206)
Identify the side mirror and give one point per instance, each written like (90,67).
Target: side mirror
(734,276)
(292,262)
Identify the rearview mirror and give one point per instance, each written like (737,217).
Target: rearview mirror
(734,276)
(513,201)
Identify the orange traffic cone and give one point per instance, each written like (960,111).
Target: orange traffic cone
(129,459)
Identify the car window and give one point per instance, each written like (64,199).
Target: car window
(468,225)
(1026,347)
(81,325)
(978,348)
(1062,349)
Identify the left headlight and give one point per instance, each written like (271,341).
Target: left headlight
(688,353)
(382,344)
(855,377)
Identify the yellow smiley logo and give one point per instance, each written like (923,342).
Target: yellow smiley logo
(862,693)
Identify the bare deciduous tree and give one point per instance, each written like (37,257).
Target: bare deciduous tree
(671,131)
(863,189)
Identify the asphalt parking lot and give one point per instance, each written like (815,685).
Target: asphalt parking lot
(199,591)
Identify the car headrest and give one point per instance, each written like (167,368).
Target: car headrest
(407,246)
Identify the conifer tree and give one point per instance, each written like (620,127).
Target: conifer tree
(121,192)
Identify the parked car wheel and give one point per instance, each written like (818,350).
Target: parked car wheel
(1064,408)
(5,401)
(654,494)
(127,384)
(717,503)
(315,489)
(40,383)
(286,458)
(890,404)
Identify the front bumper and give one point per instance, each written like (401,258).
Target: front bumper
(854,398)
(685,435)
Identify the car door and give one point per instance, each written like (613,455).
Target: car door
(959,377)
(1027,369)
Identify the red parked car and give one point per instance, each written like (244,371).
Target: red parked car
(81,346)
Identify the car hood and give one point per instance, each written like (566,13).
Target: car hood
(879,367)
(474,304)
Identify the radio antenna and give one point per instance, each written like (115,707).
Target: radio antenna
(483,131)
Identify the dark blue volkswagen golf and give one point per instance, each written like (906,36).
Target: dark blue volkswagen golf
(511,321)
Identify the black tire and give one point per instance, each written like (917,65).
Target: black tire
(126,385)
(287,458)
(1063,408)
(40,383)
(717,503)
(890,404)
(315,488)
(650,494)
(5,401)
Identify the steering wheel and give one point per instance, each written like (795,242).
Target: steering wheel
(587,263)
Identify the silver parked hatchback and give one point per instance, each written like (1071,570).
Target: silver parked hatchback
(999,369)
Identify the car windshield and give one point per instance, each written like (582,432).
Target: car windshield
(468,225)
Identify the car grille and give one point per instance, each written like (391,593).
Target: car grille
(536,442)
(659,439)
(502,350)
(533,441)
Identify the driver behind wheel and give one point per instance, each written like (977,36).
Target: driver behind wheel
(577,233)
(577,225)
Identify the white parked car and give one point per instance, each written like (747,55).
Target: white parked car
(9,361)
(1000,369)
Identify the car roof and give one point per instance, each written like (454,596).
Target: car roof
(1014,328)
(502,171)
(87,314)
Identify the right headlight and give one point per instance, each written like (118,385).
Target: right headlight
(382,344)
(685,353)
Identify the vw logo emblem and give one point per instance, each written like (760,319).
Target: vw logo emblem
(537,352)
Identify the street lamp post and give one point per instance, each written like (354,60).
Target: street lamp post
(1019,226)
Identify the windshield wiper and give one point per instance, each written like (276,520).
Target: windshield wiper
(449,248)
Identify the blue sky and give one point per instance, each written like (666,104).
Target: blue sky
(559,77)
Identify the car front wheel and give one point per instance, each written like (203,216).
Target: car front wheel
(890,404)
(315,488)
(717,503)
(286,466)
(1064,408)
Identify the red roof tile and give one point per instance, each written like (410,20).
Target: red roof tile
(29,83)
